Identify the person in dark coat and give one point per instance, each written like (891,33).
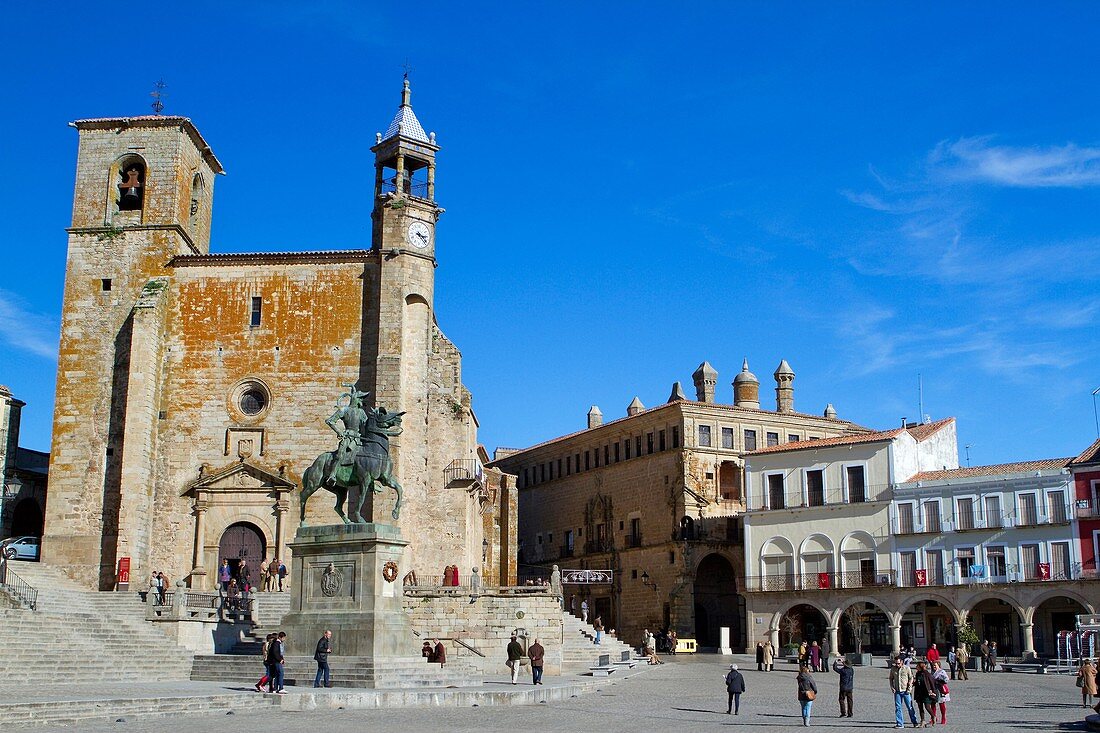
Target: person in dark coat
(427,652)
(537,654)
(759,656)
(807,692)
(439,653)
(925,692)
(324,648)
(847,684)
(735,685)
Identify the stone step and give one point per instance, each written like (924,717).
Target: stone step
(77,712)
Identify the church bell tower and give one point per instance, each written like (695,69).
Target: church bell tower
(403,237)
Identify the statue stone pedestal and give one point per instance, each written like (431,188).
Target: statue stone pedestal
(338,583)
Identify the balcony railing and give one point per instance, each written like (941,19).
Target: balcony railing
(633,540)
(20,589)
(976,522)
(565,551)
(820,581)
(463,471)
(1041,573)
(830,496)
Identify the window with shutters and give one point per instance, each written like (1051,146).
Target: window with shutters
(905,519)
(907,569)
(1029,561)
(964,514)
(776,498)
(932,516)
(815,488)
(995,559)
(993,516)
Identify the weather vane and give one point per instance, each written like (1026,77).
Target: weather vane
(158,94)
(407,68)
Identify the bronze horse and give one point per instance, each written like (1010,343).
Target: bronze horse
(370,467)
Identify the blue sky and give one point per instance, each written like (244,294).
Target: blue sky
(870,190)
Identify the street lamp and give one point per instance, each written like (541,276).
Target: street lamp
(647,583)
(11,489)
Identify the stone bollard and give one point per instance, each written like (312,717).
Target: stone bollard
(179,600)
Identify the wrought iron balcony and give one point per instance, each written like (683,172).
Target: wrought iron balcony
(764,500)
(820,581)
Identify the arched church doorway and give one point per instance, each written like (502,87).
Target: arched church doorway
(26,519)
(242,541)
(716,603)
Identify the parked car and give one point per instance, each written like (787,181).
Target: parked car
(20,548)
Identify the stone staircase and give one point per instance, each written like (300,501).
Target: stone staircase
(579,649)
(105,635)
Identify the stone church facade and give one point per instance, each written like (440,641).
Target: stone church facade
(193,386)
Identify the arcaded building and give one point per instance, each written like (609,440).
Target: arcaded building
(657,497)
(193,386)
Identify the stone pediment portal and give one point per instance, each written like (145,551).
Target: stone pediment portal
(239,477)
(241,492)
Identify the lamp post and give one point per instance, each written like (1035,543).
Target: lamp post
(12,487)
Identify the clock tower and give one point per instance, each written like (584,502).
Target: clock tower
(403,239)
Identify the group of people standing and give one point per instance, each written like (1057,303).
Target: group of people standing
(273,653)
(535,657)
(233,582)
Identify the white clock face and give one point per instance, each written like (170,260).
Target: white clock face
(419,235)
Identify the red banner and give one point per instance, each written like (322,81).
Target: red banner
(1044,571)
(823,581)
(922,577)
(124,570)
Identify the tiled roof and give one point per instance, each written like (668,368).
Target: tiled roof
(876,437)
(405,124)
(1089,455)
(919,433)
(926,430)
(999,469)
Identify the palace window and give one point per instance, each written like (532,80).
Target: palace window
(727,437)
(617,451)
(638,445)
(626,448)
(105,284)
(675,437)
(792,438)
(704,436)
(661,440)
(649,443)
(750,440)
(773,439)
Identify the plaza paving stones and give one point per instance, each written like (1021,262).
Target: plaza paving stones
(687,693)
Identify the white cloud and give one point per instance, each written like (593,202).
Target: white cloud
(25,330)
(977,159)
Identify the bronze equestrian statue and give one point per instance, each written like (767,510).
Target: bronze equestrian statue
(361,460)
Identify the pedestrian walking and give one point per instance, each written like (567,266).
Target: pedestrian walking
(939,676)
(735,685)
(815,657)
(537,654)
(769,656)
(572,604)
(515,654)
(439,653)
(673,641)
(963,656)
(992,656)
(807,693)
(597,624)
(650,645)
(584,610)
(847,686)
(803,655)
(324,648)
(1086,680)
(952,661)
(901,683)
(759,656)
(984,651)
(262,577)
(924,691)
(283,573)
(263,659)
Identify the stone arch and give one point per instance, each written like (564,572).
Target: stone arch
(873,625)
(793,605)
(243,540)
(1059,615)
(925,618)
(996,624)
